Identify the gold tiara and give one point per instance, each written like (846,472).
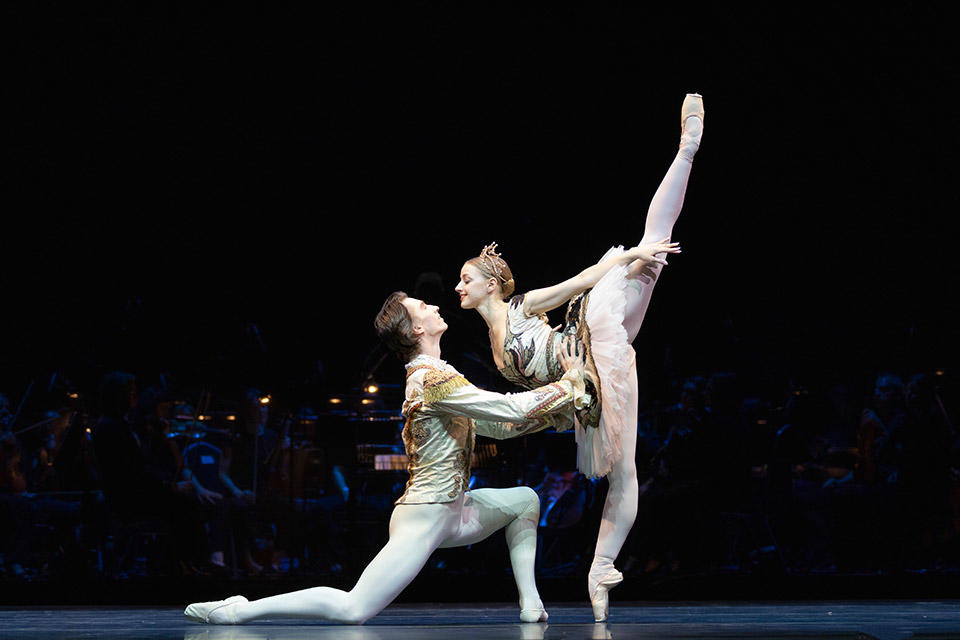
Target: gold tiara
(489,256)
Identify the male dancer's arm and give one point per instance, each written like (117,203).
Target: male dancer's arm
(508,415)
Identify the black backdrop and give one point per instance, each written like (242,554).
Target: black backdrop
(179,174)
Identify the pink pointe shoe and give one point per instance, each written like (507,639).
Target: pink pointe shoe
(600,598)
(201,611)
(691,130)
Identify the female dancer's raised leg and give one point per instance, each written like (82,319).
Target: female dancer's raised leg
(518,510)
(665,209)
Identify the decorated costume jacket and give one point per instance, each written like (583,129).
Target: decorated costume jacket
(443,412)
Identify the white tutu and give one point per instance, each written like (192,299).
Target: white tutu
(599,448)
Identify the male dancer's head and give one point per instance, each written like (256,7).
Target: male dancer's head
(409,326)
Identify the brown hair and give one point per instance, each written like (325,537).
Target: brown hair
(395,327)
(491,265)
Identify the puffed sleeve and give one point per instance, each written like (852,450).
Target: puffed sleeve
(413,394)
(450,393)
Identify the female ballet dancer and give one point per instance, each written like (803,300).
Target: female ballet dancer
(437,510)
(607,303)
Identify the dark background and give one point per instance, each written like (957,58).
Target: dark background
(178,175)
(223,194)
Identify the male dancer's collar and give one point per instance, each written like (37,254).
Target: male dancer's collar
(422,359)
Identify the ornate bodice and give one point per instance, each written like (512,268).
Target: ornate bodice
(529,348)
(530,356)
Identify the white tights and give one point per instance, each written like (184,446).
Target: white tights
(415,532)
(620,509)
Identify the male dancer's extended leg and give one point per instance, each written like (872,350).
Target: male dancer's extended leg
(661,216)
(518,510)
(415,532)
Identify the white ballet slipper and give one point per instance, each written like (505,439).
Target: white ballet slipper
(533,615)
(691,130)
(201,611)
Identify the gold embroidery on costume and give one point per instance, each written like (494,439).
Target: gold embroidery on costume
(547,398)
(419,433)
(530,352)
(411,370)
(437,385)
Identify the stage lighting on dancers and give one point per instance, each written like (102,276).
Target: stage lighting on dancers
(367,401)
(372,388)
(265,400)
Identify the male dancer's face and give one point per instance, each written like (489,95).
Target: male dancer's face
(426,317)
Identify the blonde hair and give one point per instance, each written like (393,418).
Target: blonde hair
(491,265)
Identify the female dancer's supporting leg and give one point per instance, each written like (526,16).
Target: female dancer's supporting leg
(415,532)
(620,509)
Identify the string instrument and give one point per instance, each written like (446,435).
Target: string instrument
(277,464)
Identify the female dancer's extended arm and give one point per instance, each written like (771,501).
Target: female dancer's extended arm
(542,300)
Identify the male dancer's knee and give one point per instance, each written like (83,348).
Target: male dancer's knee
(529,505)
(355,611)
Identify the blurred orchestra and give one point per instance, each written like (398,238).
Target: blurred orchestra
(127,481)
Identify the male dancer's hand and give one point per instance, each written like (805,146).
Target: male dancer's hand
(570,354)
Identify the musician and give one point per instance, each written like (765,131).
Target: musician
(132,488)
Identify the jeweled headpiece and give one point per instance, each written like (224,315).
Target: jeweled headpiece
(489,256)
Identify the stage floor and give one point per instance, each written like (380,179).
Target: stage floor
(887,620)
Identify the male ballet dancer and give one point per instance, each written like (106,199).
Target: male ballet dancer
(437,510)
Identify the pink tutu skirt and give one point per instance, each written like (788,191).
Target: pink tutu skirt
(598,449)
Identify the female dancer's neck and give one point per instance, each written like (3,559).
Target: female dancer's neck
(493,310)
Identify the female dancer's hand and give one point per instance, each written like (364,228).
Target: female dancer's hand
(648,252)
(570,354)
(644,258)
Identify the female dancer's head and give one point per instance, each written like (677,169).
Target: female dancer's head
(484,277)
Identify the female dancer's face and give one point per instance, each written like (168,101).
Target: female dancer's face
(473,287)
